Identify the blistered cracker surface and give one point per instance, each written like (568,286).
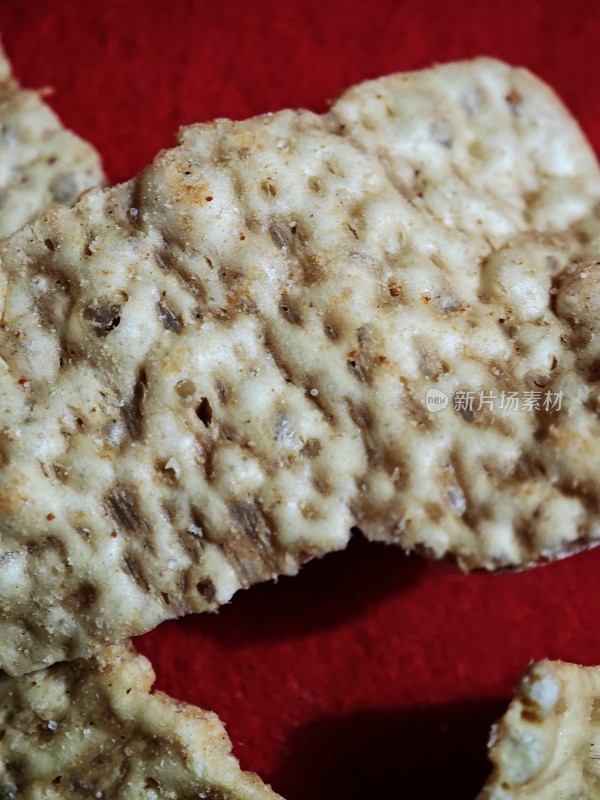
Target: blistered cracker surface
(547,745)
(93,729)
(213,372)
(41,163)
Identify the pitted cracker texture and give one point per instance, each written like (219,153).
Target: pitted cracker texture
(213,372)
(93,728)
(41,163)
(547,745)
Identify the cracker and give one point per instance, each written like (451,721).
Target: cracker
(213,372)
(93,728)
(547,744)
(490,152)
(41,163)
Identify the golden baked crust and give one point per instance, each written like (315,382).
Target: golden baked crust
(93,728)
(214,371)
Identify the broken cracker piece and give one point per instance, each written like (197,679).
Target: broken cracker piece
(490,151)
(93,728)
(547,745)
(219,368)
(41,163)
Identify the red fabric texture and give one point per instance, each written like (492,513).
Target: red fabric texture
(372,674)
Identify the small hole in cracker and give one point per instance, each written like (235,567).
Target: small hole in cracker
(204,412)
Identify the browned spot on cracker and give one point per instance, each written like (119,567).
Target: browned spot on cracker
(103,316)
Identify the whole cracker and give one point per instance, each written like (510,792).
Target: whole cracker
(215,371)
(41,163)
(93,728)
(547,745)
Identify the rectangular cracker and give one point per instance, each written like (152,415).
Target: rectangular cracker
(214,371)
(93,728)
(547,745)
(41,163)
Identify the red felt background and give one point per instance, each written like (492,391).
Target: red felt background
(371,675)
